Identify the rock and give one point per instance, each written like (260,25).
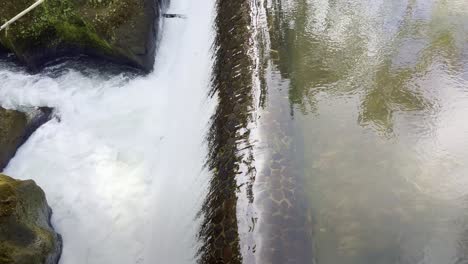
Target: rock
(26,235)
(15,128)
(122,31)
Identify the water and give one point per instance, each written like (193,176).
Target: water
(378,97)
(339,136)
(122,163)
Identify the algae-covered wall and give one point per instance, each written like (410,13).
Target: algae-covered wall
(120,30)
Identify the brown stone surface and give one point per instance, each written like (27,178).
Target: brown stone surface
(26,236)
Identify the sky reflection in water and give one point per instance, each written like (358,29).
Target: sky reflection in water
(379,93)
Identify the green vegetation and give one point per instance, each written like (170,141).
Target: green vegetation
(108,28)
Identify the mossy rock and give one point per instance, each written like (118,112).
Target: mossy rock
(26,235)
(15,128)
(122,31)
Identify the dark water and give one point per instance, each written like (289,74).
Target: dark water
(378,104)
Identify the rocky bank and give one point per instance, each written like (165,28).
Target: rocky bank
(26,235)
(122,31)
(16,127)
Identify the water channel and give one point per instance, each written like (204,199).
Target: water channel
(377,92)
(271,131)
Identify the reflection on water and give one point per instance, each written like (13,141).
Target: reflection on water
(379,92)
(374,48)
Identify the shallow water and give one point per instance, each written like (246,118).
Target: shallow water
(110,163)
(378,92)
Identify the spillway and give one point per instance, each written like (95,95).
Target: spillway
(122,161)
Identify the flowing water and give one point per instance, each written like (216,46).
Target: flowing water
(335,133)
(122,164)
(378,98)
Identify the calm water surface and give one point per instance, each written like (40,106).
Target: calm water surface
(378,90)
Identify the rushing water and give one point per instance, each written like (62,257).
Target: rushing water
(122,164)
(338,136)
(378,96)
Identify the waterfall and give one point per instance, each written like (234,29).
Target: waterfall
(121,164)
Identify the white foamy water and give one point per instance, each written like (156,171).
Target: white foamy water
(122,169)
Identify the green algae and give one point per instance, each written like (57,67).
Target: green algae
(111,29)
(52,23)
(228,139)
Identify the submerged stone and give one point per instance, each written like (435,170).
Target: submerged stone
(15,128)
(26,235)
(122,31)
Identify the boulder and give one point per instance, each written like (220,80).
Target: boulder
(26,235)
(122,31)
(16,127)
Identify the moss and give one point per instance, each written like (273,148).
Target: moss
(26,236)
(51,24)
(228,138)
(16,127)
(82,36)
(101,26)
(12,127)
